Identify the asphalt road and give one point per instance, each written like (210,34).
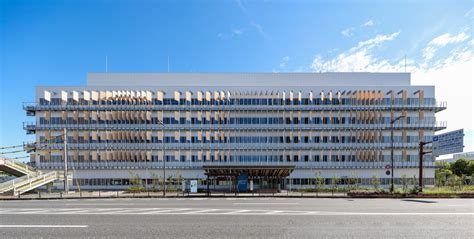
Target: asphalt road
(238,218)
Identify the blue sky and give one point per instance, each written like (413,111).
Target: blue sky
(58,42)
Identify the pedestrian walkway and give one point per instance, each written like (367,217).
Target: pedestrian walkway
(28,178)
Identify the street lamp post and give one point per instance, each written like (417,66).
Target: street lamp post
(164,157)
(391,150)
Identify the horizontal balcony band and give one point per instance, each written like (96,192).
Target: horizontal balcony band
(38,107)
(227,146)
(199,165)
(33,126)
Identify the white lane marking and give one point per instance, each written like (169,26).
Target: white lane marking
(266,203)
(397,213)
(273,212)
(128,211)
(31,211)
(236,212)
(165,211)
(43,226)
(201,211)
(206,211)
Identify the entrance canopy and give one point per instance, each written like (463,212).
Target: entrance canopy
(251,170)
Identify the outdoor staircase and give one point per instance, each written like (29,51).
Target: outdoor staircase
(15,168)
(28,177)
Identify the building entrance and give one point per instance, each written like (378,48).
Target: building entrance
(247,178)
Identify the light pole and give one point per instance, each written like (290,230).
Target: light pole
(66,182)
(391,150)
(164,157)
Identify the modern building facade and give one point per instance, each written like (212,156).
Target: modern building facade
(456,157)
(274,129)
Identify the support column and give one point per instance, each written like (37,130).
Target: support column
(207,185)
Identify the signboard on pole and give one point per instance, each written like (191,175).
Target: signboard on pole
(448,143)
(193,186)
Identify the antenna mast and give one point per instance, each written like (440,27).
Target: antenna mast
(405,63)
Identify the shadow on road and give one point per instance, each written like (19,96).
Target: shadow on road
(416,200)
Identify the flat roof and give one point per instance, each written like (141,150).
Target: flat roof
(249,79)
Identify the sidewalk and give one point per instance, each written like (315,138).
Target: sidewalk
(122,194)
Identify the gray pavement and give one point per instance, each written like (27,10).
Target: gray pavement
(238,218)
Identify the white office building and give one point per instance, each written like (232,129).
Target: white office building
(277,130)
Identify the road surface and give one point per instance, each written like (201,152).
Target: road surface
(238,218)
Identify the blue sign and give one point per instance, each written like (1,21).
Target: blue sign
(448,143)
(242,181)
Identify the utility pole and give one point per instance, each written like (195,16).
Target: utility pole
(164,157)
(420,172)
(392,187)
(66,181)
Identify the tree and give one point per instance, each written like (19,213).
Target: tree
(375,182)
(319,181)
(470,168)
(404,182)
(460,167)
(179,178)
(414,184)
(155,180)
(135,180)
(455,181)
(352,180)
(442,175)
(335,181)
(465,180)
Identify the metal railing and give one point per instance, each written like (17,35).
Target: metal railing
(199,165)
(108,126)
(226,146)
(428,105)
(21,167)
(35,182)
(10,185)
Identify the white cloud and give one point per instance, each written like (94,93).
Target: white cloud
(358,58)
(253,23)
(284,61)
(348,32)
(469,13)
(445,39)
(237,31)
(260,30)
(368,23)
(454,84)
(440,42)
(233,32)
(452,75)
